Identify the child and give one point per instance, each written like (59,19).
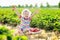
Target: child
(25,18)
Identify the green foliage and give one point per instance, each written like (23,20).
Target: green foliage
(48,19)
(24,38)
(19,6)
(59,4)
(26,6)
(36,5)
(5,33)
(3,30)
(3,37)
(48,5)
(0,6)
(20,38)
(8,17)
(41,5)
(31,6)
(15,38)
(9,37)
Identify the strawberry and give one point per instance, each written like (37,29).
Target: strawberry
(34,30)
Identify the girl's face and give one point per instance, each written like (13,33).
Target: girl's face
(25,13)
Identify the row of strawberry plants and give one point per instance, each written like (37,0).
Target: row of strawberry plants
(7,34)
(7,16)
(48,19)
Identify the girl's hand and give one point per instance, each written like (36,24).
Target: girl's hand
(37,11)
(14,8)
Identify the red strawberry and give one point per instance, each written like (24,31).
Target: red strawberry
(34,30)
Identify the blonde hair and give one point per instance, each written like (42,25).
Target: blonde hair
(27,11)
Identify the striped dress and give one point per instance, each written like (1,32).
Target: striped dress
(25,23)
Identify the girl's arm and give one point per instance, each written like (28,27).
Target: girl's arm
(36,12)
(16,11)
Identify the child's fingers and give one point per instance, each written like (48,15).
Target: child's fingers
(37,11)
(13,7)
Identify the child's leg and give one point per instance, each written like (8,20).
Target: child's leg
(20,32)
(28,30)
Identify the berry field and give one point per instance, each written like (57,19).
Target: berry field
(47,19)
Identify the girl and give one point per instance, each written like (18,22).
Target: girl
(25,18)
